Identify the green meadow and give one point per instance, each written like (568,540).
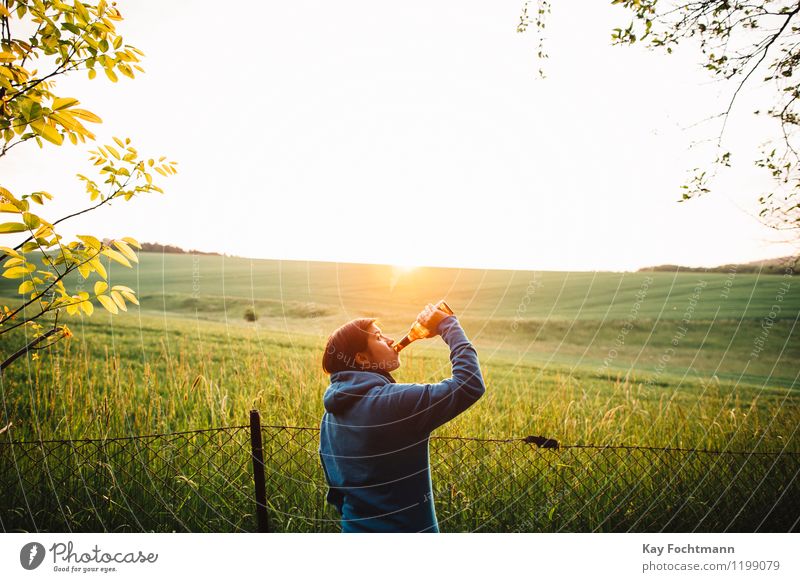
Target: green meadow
(641,358)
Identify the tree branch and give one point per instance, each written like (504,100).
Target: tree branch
(32,345)
(764,51)
(73,215)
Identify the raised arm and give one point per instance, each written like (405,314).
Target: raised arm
(429,406)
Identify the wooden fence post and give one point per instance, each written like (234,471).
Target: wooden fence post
(262,519)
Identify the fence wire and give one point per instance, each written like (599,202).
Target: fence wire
(186,482)
(202,481)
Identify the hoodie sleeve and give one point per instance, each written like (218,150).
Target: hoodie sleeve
(429,406)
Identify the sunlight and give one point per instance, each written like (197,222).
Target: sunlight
(403,269)
(398,271)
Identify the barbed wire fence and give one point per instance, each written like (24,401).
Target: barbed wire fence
(269,478)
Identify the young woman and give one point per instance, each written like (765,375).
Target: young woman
(374,432)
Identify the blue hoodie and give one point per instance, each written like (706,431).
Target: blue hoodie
(374,439)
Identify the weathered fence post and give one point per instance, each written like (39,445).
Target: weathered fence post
(262,519)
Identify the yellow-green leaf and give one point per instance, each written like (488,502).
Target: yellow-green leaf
(82,12)
(31,220)
(108,303)
(64,102)
(9,227)
(119,300)
(130,297)
(90,241)
(9,251)
(87,307)
(132,241)
(98,266)
(47,131)
(85,115)
(15,272)
(26,287)
(115,256)
(126,250)
(100,287)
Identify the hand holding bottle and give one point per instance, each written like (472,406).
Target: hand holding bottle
(431,317)
(426,324)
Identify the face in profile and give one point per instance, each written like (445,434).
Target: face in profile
(379,354)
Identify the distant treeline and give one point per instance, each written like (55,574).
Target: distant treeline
(769,267)
(171,249)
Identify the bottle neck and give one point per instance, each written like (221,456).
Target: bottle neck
(402,343)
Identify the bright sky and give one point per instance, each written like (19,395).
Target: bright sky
(414,133)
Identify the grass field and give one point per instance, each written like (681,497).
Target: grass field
(668,360)
(187,358)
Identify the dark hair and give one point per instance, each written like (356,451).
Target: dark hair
(343,345)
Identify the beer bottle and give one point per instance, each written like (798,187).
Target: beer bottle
(419,331)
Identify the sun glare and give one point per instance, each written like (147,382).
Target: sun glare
(403,269)
(398,272)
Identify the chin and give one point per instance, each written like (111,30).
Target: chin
(393,366)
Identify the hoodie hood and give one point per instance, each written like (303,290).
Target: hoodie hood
(349,386)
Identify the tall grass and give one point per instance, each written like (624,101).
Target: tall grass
(145,375)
